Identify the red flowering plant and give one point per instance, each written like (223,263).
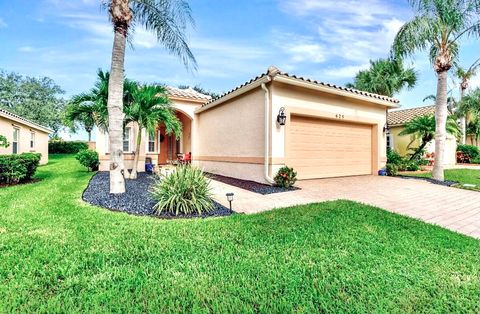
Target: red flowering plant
(286,177)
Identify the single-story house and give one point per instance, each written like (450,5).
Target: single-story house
(401,143)
(275,119)
(23,135)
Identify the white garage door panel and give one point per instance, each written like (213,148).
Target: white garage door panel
(323,148)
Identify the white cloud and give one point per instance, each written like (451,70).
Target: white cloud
(26,49)
(344,72)
(3,24)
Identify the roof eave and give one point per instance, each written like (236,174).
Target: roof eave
(30,124)
(335,91)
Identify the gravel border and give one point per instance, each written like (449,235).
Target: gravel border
(433,181)
(251,186)
(136,200)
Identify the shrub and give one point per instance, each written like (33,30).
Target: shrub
(286,177)
(4,142)
(468,152)
(476,160)
(18,168)
(88,158)
(412,166)
(392,169)
(185,191)
(393,157)
(66,147)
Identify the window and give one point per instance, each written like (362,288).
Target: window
(151,142)
(16,136)
(126,140)
(32,140)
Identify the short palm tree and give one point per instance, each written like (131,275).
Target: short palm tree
(150,106)
(469,107)
(465,76)
(79,112)
(438,26)
(168,19)
(423,128)
(385,77)
(473,129)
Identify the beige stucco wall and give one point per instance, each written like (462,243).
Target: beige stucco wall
(304,101)
(41,139)
(229,139)
(400,144)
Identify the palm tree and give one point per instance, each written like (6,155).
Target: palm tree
(149,106)
(473,129)
(385,77)
(168,19)
(438,26)
(79,112)
(465,75)
(423,128)
(469,107)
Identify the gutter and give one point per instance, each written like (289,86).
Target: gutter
(267,131)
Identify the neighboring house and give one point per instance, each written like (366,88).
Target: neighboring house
(396,123)
(23,135)
(329,131)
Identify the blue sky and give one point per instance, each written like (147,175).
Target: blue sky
(233,41)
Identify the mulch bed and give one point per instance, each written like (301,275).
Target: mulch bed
(251,186)
(444,183)
(136,200)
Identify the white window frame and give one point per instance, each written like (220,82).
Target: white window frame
(16,148)
(389,138)
(32,140)
(129,139)
(150,141)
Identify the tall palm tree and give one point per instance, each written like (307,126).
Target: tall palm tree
(168,19)
(385,77)
(469,107)
(149,106)
(465,75)
(438,26)
(423,128)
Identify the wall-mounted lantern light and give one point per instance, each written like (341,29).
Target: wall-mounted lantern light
(230,199)
(281,118)
(386,129)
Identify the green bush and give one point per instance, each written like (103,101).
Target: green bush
(412,166)
(470,151)
(185,191)
(66,147)
(393,157)
(476,160)
(286,177)
(18,168)
(88,158)
(392,169)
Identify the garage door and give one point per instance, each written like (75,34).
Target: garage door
(326,148)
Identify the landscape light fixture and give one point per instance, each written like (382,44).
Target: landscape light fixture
(281,118)
(230,199)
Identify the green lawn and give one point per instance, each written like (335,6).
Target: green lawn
(58,254)
(463,176)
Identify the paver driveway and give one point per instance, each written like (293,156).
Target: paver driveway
(452,208)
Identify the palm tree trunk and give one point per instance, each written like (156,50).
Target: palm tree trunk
(133,174)
(89,136)
(441,114)
(463,120)
(115,110)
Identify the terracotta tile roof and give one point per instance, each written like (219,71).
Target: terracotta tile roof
(273,71)
(18,118)
(188,93)
(399,117)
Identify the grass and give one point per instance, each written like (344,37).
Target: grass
(59,254)
(462,176)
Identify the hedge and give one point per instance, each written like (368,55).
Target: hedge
(18,168)
(66,147)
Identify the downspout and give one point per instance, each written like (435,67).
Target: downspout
(267,132)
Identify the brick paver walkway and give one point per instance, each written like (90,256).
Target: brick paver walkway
(454,209)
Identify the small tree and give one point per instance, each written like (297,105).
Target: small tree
(150,106)
(423,128)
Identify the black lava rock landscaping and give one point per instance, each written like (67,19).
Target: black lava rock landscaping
(136,200)
(433,181)
(251,186)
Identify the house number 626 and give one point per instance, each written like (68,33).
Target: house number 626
(339,116)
